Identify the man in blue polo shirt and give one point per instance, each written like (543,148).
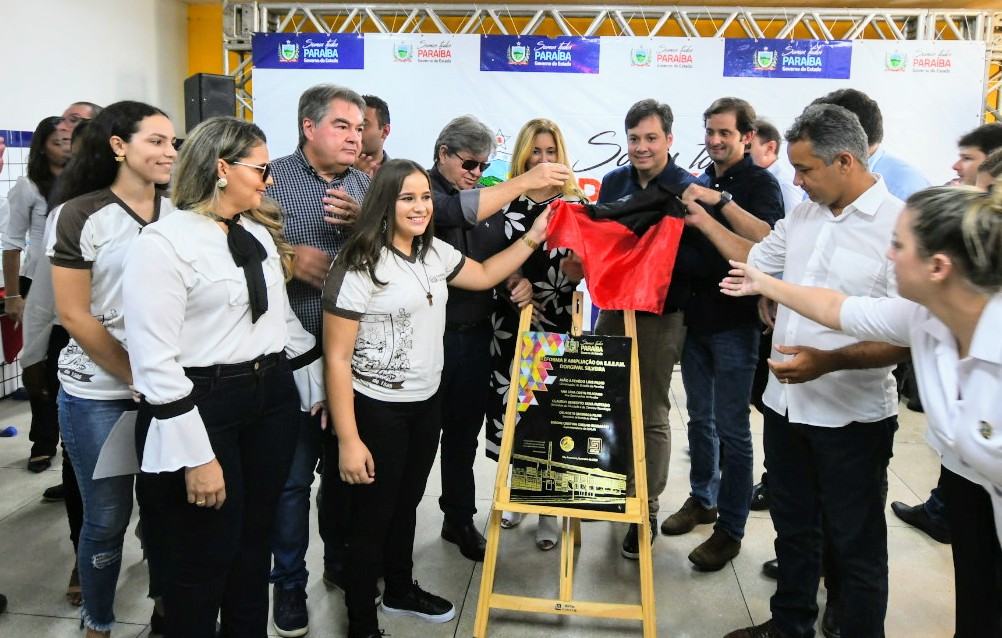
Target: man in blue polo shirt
(659,336)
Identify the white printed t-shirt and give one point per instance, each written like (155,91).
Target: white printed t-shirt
(398,351)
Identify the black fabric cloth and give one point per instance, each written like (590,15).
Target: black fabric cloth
(249,254)
(692,255)
(640,210)
(480,241)
(757,191)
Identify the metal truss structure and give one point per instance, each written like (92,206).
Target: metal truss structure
(242,19)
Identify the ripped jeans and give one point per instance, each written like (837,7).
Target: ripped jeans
(84,425)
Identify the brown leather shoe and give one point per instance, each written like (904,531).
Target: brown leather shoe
(715,552)
(688,517)
(766,630)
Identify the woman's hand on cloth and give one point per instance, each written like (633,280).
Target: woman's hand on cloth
(205,484)
(519,289)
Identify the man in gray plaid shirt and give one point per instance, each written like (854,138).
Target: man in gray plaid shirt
(320,191)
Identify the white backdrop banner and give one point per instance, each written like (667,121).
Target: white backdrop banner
(930,93)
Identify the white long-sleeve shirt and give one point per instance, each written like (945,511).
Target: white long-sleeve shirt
(813,247)
(187,305)
(960,396)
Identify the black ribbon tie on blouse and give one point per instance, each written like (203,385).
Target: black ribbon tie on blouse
(249,254)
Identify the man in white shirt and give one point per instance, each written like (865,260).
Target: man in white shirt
(827,441)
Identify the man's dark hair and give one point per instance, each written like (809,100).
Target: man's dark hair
(646,108)
(863,106)
(744,114)
(986,138)
(379,105)
(766,132)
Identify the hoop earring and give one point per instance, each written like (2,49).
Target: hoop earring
(222,183)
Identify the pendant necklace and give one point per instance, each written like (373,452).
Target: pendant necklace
(427,290)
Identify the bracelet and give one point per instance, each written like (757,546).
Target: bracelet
(12,296)
(528,242)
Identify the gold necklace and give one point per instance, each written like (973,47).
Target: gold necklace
(427,290)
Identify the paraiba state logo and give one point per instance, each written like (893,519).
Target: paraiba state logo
(519,54)
(403,52)
(288,51)
(640,56)
(896,61)
(766,60)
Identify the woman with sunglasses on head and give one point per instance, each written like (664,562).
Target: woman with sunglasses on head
(109,190)
(47,156)
(384,318)
(215,344)
(947,253)
(539,141)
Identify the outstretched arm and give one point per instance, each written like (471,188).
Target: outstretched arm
(818,304)
(807,364)
(481,276)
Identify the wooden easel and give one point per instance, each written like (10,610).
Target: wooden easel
(635,512)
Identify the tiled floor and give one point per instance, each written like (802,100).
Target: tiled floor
(36,557)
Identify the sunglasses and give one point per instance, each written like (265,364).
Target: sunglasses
(265,169)
(470,164)
(72,119)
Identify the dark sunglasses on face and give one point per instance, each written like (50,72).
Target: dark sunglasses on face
(265,169)
(470,164)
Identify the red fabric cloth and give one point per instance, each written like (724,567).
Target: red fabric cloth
(10,335)
(623,271)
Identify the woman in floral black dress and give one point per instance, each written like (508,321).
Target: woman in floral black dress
(540,140)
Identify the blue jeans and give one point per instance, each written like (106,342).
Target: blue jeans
(717,371)
(836,473)
(107,503)
(291,536)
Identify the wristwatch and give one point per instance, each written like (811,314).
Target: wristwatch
(725,197)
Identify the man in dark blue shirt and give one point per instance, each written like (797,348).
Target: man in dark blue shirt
(721,345)
(659,336)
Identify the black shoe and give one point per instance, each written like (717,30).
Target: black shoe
(39,464)
(770,568)
(156,625)
(291,618)
(714,553)
(917,517)
(417,602)
(768,629)
(631,542)
(3,603)
(54,494)
(760,496)
(829,622)
(472,543)
(337,579)
(915,404)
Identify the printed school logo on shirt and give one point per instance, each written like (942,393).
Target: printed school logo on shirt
(382,349)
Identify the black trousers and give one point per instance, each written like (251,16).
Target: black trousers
(977,558)
(42,383)
(218,560)
(403,439)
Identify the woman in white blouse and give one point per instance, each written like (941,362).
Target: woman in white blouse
(47,156)
(384,320)
(214,346)
(947,253)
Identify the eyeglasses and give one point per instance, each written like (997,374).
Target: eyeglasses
(72,119)
(470,164)
(265,169)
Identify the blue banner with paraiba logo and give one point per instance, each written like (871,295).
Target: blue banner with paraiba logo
(535,54)
(831,60)
(308,51)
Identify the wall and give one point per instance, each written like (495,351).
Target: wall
(60,51)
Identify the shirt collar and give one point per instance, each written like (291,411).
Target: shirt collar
(742,166)
(876,157)
(438,180)
(870,201)
(986,345)
(665,172)
(301,158)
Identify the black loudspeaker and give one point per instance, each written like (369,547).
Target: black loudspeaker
(207,95)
